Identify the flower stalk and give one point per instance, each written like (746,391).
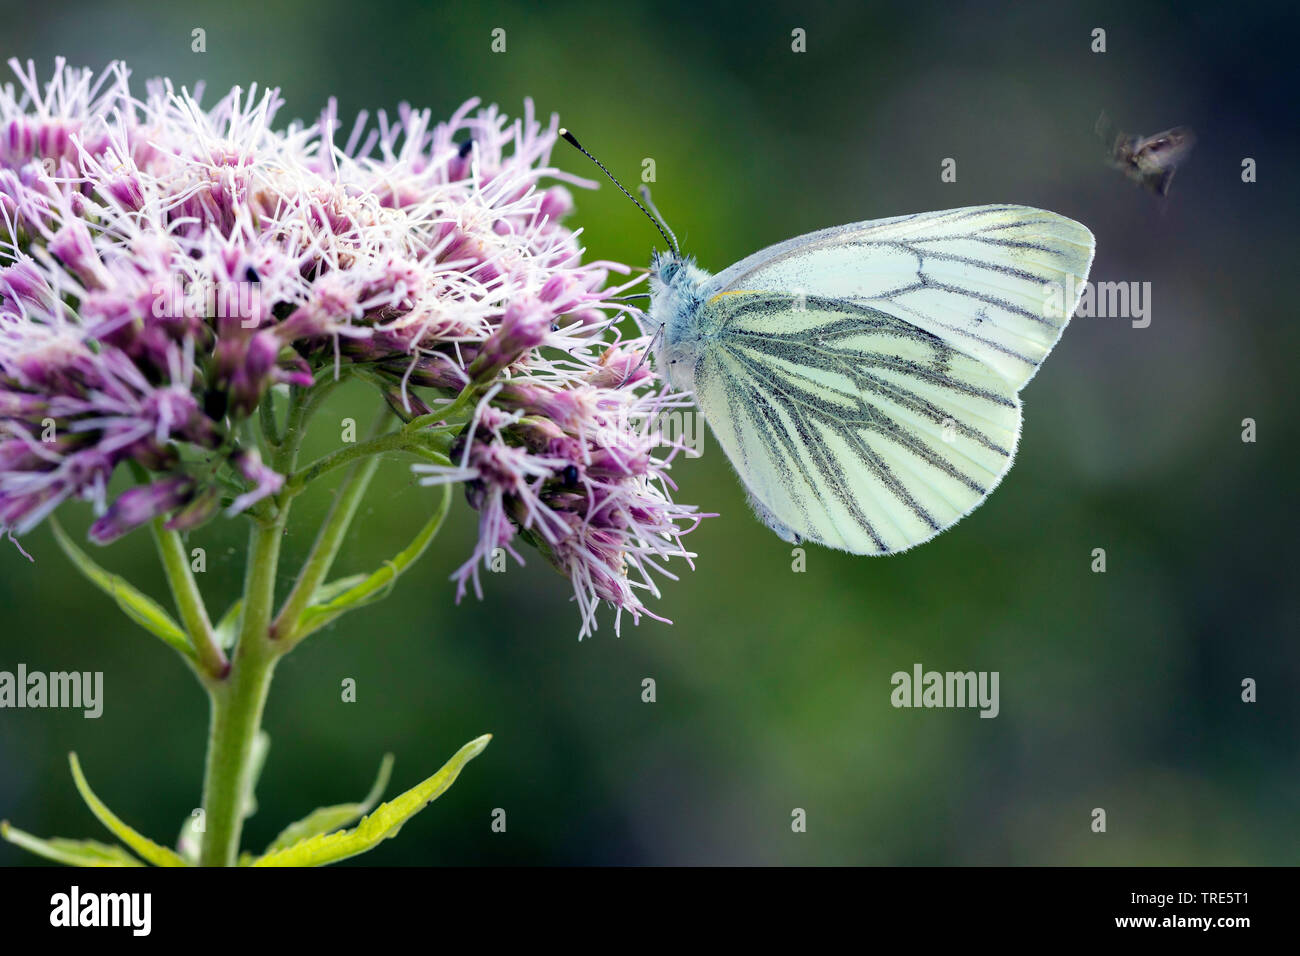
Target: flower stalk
(235,717)
(391,442)
(237,702)
(185,592)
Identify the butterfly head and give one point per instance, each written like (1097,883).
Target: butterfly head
(672,268)
(674,279)
(675,296)
(665,267)
(675,284)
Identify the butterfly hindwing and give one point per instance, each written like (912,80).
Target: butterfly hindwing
(850,426)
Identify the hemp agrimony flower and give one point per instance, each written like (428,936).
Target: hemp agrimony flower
(181,286)
(165,268)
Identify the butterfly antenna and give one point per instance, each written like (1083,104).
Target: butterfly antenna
(645,196)
(668,237)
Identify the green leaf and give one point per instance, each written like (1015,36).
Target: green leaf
(138,606)
(227,628)
(71,852)
(327,592)
(385,822)
(189,844)
(256,761)
(373,586)
(325,819)
(148,850)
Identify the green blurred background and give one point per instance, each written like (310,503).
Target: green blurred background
(1118,690)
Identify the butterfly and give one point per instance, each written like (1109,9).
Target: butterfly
(864,380)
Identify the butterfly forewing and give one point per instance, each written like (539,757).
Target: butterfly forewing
(851,426)
(997,283)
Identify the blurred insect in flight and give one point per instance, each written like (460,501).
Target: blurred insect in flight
(1150,161)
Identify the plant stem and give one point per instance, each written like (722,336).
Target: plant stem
(236,716)
(266,417)
(237,704)
(360,594)
(237,701)
(394,441)
(238,693)
(189,601)
(468,396)
(326,548)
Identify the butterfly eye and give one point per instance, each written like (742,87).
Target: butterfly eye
(669,270)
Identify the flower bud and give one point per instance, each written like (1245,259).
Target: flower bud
(524,326)
(137,505)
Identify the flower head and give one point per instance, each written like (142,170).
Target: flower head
(166,267)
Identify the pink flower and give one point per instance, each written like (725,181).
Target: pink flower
(580,473)
(165,265)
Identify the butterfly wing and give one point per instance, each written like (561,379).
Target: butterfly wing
(849,426)
(863,380)
(997,283)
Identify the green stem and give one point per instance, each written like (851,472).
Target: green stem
(316,617)
(326,549)
(394,441)
(266,416)
(237,701)
(301,405)
(239,697)
(237,704)
(467,398)
(236,715)
(185,592)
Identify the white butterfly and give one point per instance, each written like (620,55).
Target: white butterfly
(864,380)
